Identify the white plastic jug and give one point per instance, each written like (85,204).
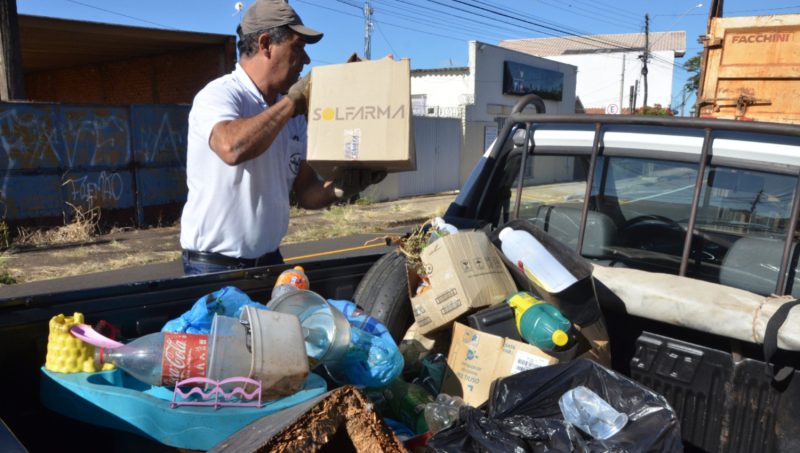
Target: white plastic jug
(538,264)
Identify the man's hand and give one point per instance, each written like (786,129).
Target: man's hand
(351,181)
(299,94)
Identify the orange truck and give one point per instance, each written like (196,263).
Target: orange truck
(751,68)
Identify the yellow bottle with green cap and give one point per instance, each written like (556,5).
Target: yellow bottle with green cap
(539,323)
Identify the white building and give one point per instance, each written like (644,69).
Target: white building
(610,65)
(483,94)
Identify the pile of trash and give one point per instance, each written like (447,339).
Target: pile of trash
(508,352)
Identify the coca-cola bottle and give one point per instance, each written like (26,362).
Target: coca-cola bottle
(162,358)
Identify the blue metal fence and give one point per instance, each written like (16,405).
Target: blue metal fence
(130,161)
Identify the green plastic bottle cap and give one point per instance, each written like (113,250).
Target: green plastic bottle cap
(560,338)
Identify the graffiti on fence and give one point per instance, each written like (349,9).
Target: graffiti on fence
(159,134)
(95,137)
(91,192)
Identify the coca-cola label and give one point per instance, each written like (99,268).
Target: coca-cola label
(185,356)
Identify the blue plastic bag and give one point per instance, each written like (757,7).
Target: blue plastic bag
(228,301)
(373,359)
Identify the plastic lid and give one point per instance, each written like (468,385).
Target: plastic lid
(299,268)
(505,232)
(560,338)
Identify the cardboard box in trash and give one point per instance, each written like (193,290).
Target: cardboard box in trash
(477,358)
(360,116)
(465,273)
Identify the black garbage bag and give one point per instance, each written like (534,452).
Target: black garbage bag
(523,415)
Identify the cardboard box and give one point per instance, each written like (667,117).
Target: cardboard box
(477,358)
(465,272)
(360,116)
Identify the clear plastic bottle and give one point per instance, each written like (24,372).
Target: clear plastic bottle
(289,280)
(590,413)
(443,412)
(162,358)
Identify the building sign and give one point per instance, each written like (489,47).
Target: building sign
(612,109)
(521,79)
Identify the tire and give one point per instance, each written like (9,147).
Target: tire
(383,294)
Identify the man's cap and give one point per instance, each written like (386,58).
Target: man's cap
(264,14)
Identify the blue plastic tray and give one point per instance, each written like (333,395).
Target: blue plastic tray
(114,399)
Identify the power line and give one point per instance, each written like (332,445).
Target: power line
(386,39)
(607,7)
(122,15)
(594,14)
(383,22)
(448,21)
(549,29)
(736,11)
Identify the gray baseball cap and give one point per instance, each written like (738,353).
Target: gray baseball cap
(264,14)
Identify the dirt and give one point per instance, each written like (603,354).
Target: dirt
(140,247)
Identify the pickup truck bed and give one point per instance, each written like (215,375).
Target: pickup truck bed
(718,384)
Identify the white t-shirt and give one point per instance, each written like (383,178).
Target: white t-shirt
(240,211)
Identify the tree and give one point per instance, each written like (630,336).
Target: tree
(692,66)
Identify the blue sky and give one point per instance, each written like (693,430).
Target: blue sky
(432,33)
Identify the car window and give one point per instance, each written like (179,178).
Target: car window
(645,205)
(550,181)
(742,219)
(639,209)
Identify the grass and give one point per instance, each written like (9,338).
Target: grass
(81,252)
(5,275)
(83,228)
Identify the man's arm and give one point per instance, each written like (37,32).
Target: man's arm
(239,140)
(312,192)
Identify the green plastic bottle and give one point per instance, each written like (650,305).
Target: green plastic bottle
(540,323)
(406,403)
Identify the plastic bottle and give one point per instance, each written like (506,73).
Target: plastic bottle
(162,358)
(289,280)
(440,228)
(591,413)
(370,361)
(407,403)
(443,412)
(540,323)
(538,264)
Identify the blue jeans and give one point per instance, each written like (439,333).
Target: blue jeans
(207,266)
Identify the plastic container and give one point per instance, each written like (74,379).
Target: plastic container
(404,402)
(443,412)
(325,329)
(538,264)
(540,323)
(370,361)
(289,280)
(590,413)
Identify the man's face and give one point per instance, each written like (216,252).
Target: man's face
(289,57)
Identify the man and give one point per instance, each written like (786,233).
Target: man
(247,147)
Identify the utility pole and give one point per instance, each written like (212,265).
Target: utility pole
(646,55)
(11,75)
(367,29)
(622,82)
(683,100)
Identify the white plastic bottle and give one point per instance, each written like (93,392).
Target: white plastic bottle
(530,256)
